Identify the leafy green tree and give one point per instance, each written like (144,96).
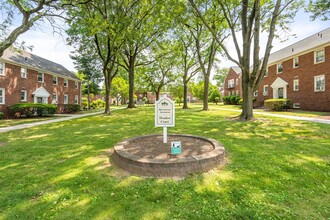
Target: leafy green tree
(215,96)
(319,9)
(145,22)
(220,76)
(249,18)
(88,72)
(177,91)
(31,11)
(119,89)
(99,25)
(206,45)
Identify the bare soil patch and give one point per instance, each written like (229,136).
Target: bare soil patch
(152,147)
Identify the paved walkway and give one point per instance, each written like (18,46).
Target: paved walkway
(299,118)
(68,117)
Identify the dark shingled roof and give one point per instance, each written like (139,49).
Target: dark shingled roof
(34,61)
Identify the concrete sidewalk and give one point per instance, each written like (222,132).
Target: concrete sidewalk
(33,124)
(317,120)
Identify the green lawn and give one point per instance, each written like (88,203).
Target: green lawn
(276,169)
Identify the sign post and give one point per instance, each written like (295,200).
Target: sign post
(164,115)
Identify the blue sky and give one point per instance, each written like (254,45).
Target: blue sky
(53,47)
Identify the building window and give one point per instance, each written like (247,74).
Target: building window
(231,83)
(66,99)
(255,94)
(265,90)
(2,95)
(23,72)
(65,82)
(237,92)
(76,84)
(319,83)
(54,101)
(40,77)
(319,56)
(2,69)
(76,99)
(54,80)
(295,62)
(279,68)
(236,82)
(23,95)
(296,85)
(296,105)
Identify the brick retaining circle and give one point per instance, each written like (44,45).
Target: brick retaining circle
(170,167)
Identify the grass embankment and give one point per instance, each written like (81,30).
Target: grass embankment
(277,169)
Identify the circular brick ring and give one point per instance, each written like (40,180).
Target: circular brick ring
(170,167)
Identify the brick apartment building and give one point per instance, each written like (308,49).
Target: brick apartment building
(25,77)
(300,72)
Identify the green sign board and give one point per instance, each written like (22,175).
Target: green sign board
(175,147)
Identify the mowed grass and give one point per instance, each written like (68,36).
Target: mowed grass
(276,169)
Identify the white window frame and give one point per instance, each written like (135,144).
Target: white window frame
(255,94)
(236,82)
(76,84)
(23,72)
(237,92)
(294,63)
(3,96)
(3,71)
(66,99)
(25,95)
(66,83)
(231,83)
(56,98)
(277,68)
(295,85)
(55,77)
(315,56)
(43,77)
(264,90)
(76,101)
(322,89)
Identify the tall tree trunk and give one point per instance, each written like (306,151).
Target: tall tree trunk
(131,82)
(185,94)
(157,95)
(247,105)
(88,96)
(107,100)
(206,92)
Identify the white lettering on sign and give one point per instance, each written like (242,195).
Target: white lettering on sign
(164,112)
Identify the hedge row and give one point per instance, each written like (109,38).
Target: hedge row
(2,115)
(231,100)
(32,109)
(69,108)
(278,104)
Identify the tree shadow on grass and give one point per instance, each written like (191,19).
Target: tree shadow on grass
(277,169)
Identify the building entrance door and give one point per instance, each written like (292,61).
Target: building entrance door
(280,93)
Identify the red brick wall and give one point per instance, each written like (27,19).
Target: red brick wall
(306,97)
(13,84)
(232,75)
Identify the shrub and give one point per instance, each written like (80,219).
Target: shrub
(84,102)
(231,100)
(145,99)
(278,104)
(99,103)
(32,109)
(71,108)
(2,115)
